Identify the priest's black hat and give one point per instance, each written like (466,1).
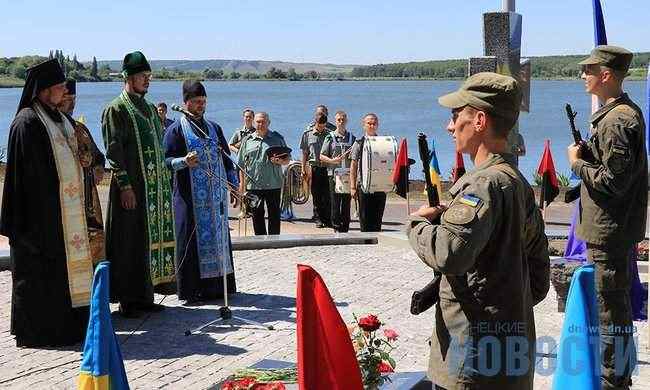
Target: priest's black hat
(134,63)
(39,77)
(71,86)
(192,89)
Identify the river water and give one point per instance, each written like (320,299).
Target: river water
(404,109)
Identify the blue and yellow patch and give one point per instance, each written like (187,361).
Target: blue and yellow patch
(470,200)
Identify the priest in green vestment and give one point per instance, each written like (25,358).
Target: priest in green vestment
(140,223)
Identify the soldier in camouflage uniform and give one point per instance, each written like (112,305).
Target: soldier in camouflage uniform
(614,195)
(490,247)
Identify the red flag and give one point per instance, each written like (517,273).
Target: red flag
(326,358)
(401,171)
(459,168)
(550,187)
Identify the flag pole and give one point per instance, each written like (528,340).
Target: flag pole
(408,201)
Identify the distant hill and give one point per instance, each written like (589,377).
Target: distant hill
(241,66)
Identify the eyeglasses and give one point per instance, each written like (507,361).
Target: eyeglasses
(590,69)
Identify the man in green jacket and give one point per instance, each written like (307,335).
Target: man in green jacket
(613,200)
(490,247)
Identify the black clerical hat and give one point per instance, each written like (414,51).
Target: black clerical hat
(192,89)
(38,78)
(134,63)
(71,86)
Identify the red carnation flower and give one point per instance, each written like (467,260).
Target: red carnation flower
(241,384)
(369,323)
(384,367)
(269,386)
(390,334)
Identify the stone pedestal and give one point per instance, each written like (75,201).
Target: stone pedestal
(502,54)
(482,64)
(561,274)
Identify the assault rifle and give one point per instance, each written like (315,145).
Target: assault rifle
(423,299)
(577,138)
(574,193)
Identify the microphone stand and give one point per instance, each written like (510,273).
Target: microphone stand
(225,314)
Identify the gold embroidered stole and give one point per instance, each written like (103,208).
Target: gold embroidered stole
(73,213)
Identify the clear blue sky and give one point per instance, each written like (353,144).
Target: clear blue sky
(333,31)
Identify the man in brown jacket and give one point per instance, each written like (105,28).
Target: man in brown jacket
(489,246)
(613,199)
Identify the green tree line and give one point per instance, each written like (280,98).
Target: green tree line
(552,67)
(16,67)
(218,74)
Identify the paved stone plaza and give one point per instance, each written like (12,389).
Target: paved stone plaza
(362,279)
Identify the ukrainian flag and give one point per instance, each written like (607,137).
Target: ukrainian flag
(434,170)
(102,367)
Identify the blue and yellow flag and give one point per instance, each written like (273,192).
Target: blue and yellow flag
(434,170)
(102,367)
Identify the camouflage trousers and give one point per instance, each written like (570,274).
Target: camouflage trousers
(612,280)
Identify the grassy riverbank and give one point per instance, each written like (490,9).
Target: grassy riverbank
(10,82)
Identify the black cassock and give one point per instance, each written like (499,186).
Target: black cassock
(188,278)
(41,310)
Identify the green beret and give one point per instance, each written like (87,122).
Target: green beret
(490,92)
(135,63)
(613,57)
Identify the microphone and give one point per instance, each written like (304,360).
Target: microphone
(177,108)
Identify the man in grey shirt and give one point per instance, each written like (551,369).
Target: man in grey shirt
(335,154)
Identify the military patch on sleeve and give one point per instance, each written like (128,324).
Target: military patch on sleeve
(618,160)
(470,200)
(460,213)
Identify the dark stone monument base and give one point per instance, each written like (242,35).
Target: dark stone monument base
(561,274)
(400,380)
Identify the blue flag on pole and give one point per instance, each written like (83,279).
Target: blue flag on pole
(102,367)
(578,358)
(600,37)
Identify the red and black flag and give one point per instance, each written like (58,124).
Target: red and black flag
(459,168)
(401,171)
(550,187)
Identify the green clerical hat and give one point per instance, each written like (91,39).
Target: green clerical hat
(134,63)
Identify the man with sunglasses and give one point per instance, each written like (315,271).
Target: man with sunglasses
(490,247)
(613,167)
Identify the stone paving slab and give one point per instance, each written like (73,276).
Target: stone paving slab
(361,278)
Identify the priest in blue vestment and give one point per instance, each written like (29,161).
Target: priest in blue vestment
(197,152)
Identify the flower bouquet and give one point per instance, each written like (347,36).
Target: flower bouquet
(373,350)
(257,379)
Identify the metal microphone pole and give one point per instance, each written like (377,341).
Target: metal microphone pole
(225,314)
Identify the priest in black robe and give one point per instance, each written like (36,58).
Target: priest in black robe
(45,311)
(196,151)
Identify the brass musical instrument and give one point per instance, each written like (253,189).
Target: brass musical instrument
(294,188)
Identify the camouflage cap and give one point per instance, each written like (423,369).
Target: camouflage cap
(490,92)
(613,57)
